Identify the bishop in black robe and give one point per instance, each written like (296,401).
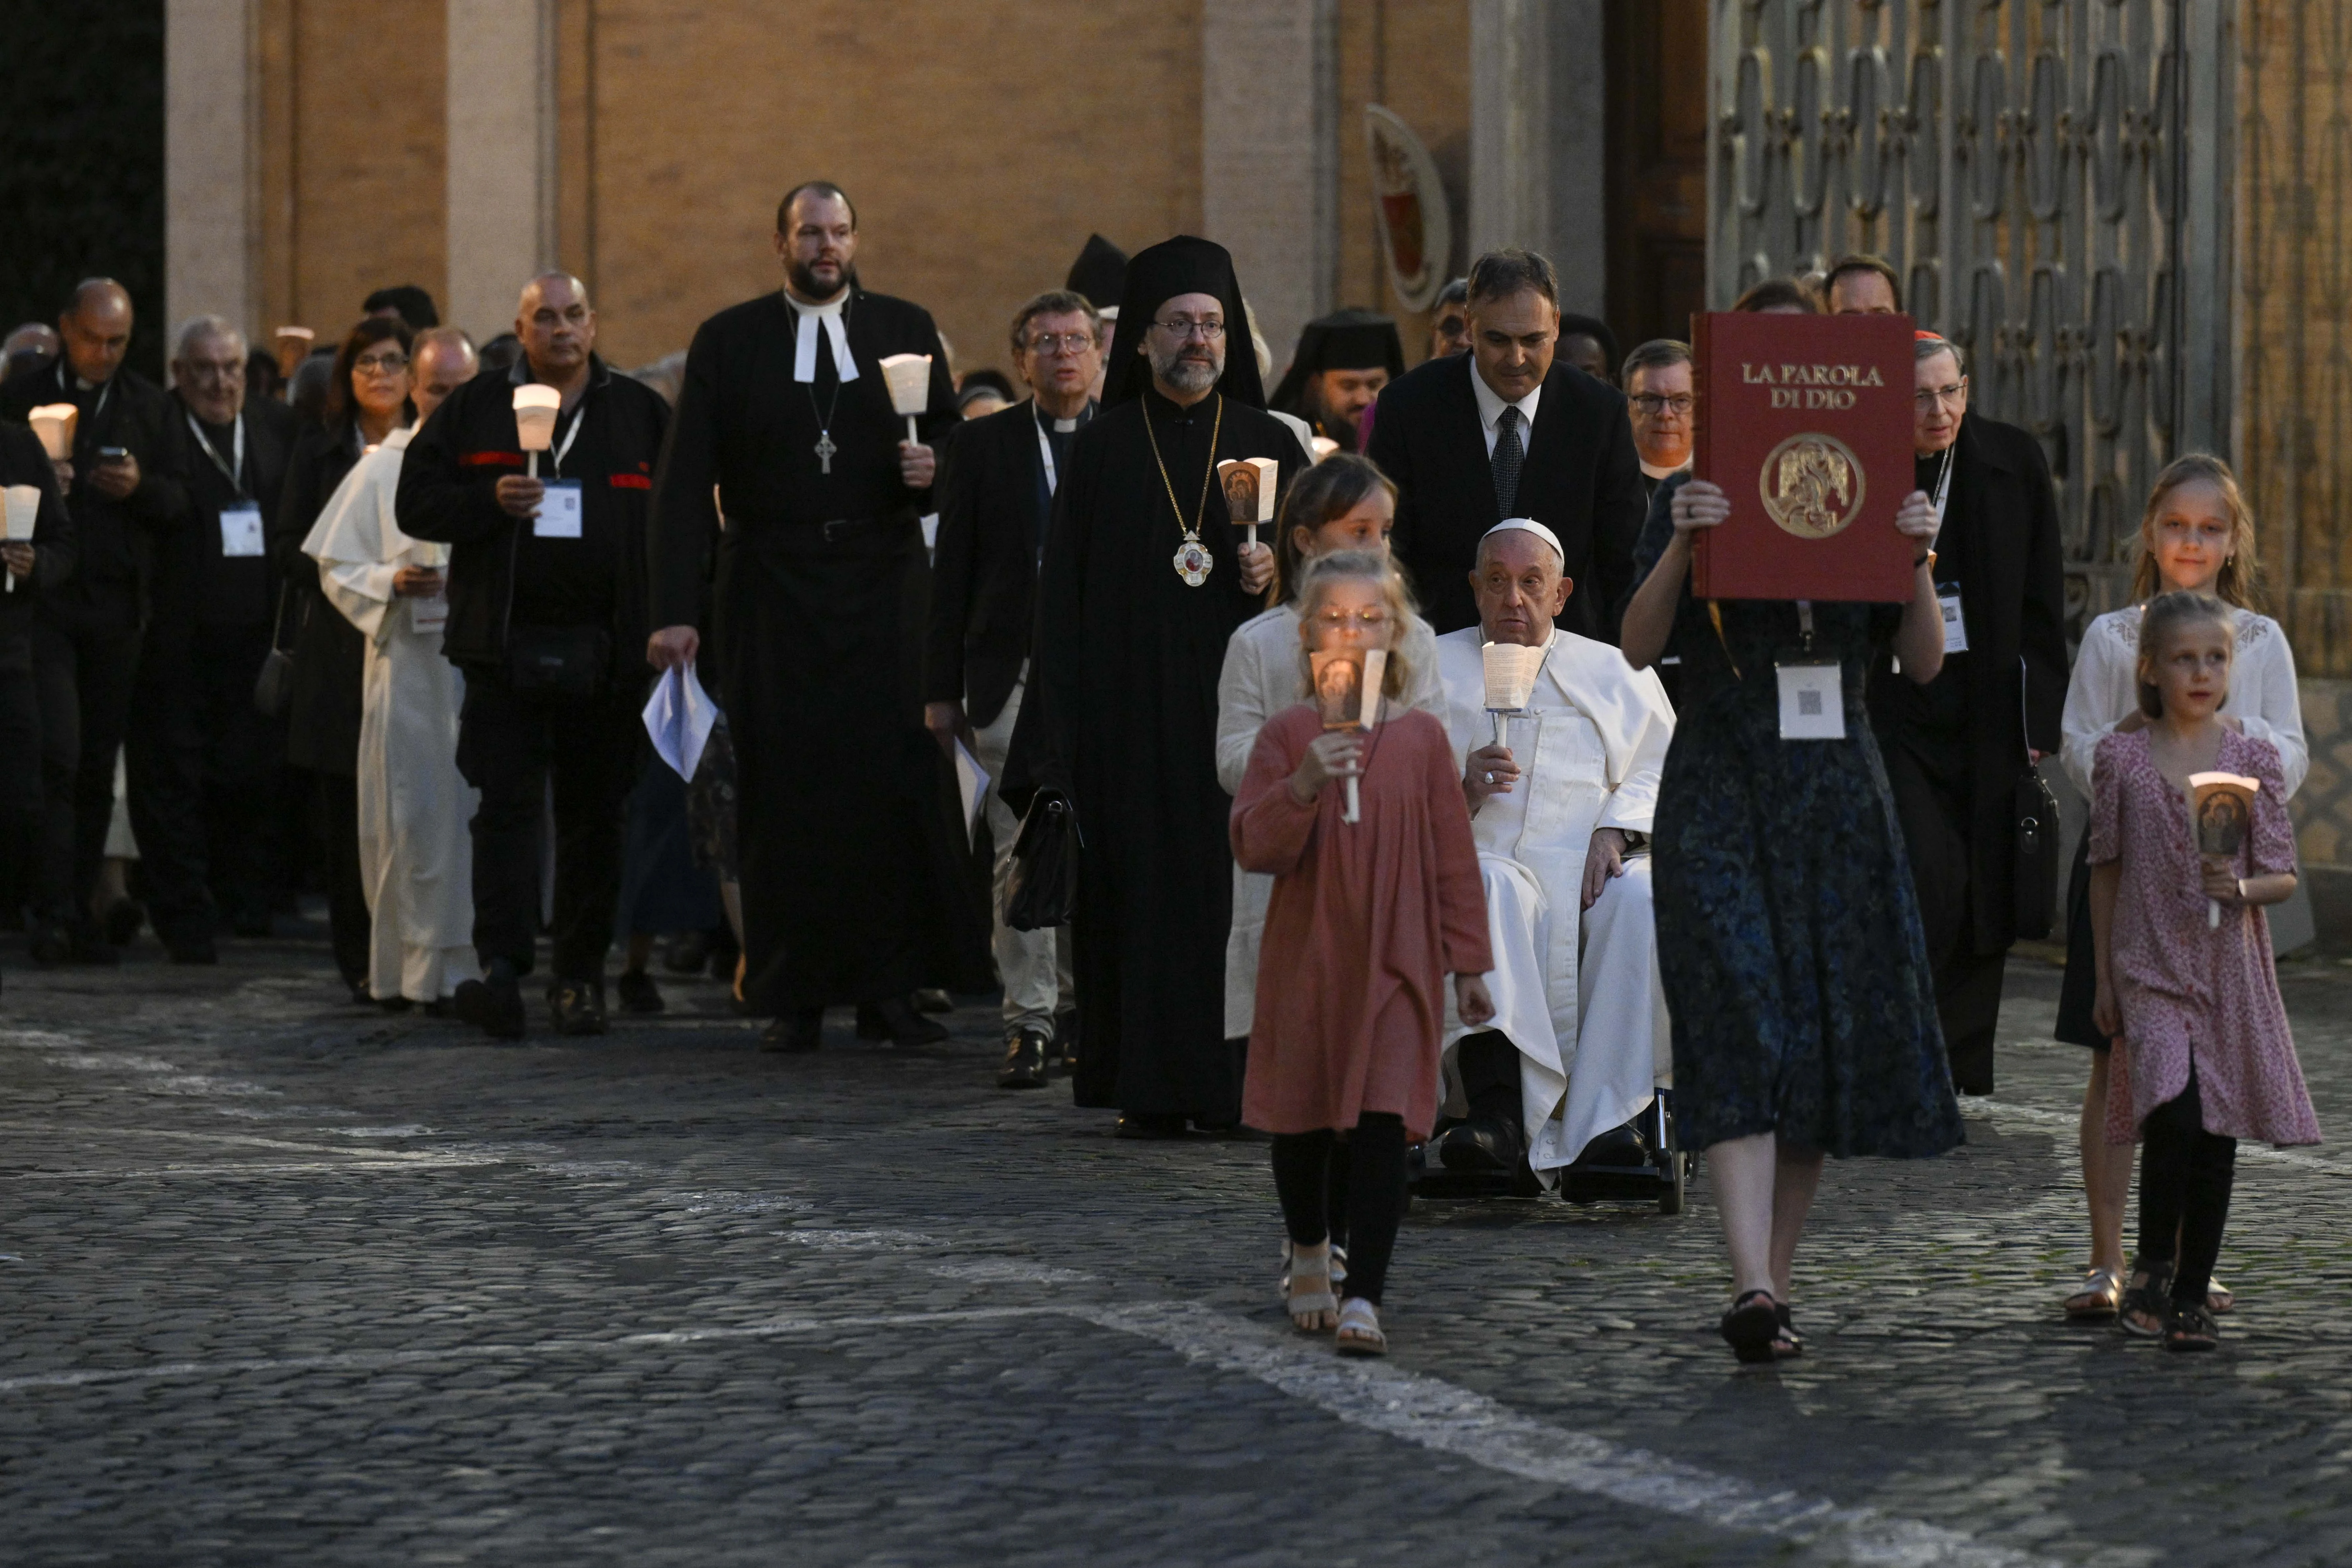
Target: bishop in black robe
(816,601)
(1126,659)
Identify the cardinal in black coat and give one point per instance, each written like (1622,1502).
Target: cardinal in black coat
(1142,585)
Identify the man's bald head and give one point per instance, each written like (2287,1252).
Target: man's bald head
(557,327)
(95,328)
(1520,587)
(442,360)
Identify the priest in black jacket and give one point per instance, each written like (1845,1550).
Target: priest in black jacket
(1144,582)
(817,626)
(29,769)
(124,486)
(1955,747)
(1508,430)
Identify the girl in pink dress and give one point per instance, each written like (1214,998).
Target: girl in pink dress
(2207,1053)
(1365,920)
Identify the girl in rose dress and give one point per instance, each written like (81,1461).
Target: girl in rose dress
(2207,1055)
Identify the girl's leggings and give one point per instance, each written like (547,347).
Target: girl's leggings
(2185,1174)
(1374,1179)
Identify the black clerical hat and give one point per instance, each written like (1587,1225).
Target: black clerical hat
(1184,265)
(1344,340)
(1099,273)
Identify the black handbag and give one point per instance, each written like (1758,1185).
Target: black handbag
(1041,891)
(273,688)
(2035,879)
(558,661)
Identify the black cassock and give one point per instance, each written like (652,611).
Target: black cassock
(851,877)
(1127,661)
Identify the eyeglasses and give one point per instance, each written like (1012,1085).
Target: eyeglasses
(380,365)
(1210,331)
(1955,396)
(1652,404)
(1070,343)
(1370,616)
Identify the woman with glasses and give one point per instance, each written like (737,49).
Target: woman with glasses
(367,400)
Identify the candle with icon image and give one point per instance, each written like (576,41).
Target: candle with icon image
(535,408)
(2223,807)
(908,377)
(1249,486)
(1347,696)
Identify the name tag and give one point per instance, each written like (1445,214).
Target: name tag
(1956,628)
(1812,699)
(428,615)
(559,511)
(241,530)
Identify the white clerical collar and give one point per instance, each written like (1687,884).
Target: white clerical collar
(1653,471)
(805,345)
(1491,405)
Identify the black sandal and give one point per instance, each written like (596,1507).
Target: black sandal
(2191,1328)
(1751,1326)
(1787,1343)
(2147,1306)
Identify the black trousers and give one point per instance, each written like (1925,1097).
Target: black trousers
(1489,1065)
(1933,799)
(513,748)
(239,755)
(163,761)
(350,931)
(2186,1174)
(1375,1195)
(20,770)
(84,668)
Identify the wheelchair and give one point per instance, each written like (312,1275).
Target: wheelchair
(1660,1175)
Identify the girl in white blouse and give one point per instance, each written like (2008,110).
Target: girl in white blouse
(2196,536)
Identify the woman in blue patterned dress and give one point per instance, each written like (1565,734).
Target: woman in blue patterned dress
(1804,1021)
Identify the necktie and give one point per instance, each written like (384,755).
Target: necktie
(1508,454)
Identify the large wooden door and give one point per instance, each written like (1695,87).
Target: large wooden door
(1657,151)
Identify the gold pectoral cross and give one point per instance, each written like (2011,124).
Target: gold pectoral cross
(825,451)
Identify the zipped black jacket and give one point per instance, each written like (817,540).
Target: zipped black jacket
(447,485)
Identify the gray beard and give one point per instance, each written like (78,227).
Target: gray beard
(1186,375)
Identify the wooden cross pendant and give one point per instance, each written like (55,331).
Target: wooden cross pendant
(825,451)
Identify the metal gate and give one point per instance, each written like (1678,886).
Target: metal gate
(2047,175)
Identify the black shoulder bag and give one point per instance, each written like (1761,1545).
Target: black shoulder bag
(273,688)
(2035,880)
(1041,891)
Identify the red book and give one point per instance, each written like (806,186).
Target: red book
(1805,421)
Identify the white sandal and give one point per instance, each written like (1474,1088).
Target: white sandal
(2099,1297)
(1306,1289)
(1339,1271)
(1359,1329)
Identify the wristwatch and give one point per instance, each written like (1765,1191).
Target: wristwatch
(1928,561)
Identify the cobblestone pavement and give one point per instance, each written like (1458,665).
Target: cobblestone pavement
(285,1280)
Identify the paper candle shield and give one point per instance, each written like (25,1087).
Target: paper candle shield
(535,408)
(24,504)
(1324,446)
(1510,675)
(293,343)
(908,376)
(54,423)
(1249,485)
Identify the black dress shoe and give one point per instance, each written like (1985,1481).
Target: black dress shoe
(931,999)
(900,1024)
(1158,1128)
(393,1004)
(1481,1143)
(494,1002)
(123,919)
(1024,1061)
(1063,1052)
(636,993)
(1618,1146)
(795,1033)
(576,1007)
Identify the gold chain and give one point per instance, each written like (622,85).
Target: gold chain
(1202,511)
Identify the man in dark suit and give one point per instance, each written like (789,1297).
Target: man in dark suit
(1507,431)
(203,760)
(999,478)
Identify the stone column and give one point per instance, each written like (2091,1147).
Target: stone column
(502,147)
(1537,105)
(211,168)
(1270,156)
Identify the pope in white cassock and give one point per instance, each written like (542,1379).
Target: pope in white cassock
(1579,1038)
(415,854)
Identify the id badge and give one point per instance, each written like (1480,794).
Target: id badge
(1813,698)
(241,530)
(1956,628)
(559,511)
(428,615)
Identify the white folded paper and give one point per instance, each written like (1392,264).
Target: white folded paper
(679,716)
(23,511)
(54,423)
(971,783)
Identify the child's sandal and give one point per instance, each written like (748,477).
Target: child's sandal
(1306,1289)
(2191,1327)
(1359,1329)
(2102,1294)
(1787,1343)
(1752,1325)
(2219,1298)
(2147,1306)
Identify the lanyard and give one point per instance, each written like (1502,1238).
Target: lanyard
(235,475)
(1944,485)
(555,459)
(105,391)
